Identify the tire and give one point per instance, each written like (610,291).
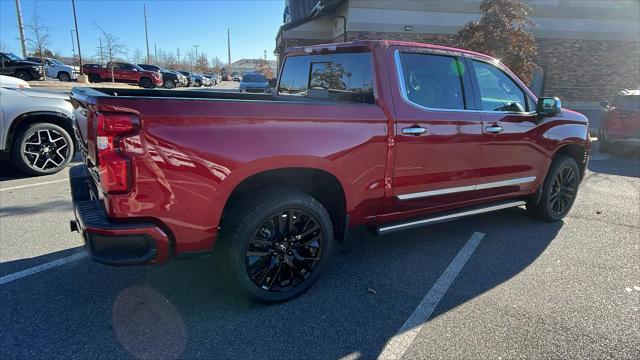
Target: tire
(42,149)
(64,76)
(250,228)
(94,78)
(23,75)
(559,190)
(146,83)
(604,146)
(169,84)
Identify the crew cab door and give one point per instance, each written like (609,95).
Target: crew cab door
(438,138)
(512,157)
(6,65)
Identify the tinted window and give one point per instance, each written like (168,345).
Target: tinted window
(254,78)
(433,81)
(630,103)
(344,77)
(498,92)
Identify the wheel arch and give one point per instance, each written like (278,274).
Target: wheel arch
(577,152)
(321,184)
(33,117)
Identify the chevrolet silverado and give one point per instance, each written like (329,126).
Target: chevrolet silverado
(390,135)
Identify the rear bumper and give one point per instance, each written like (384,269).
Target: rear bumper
(109,242)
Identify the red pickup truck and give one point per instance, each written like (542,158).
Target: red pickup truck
(391,135)
(123,72)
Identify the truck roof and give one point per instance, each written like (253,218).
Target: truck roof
(371,44)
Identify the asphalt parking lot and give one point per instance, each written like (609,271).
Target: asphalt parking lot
(494,286)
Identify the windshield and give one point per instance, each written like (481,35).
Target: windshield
(254,78)
(13,57)
(137,67)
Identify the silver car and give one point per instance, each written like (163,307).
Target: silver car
(36,131)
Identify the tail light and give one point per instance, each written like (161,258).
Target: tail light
(113,164)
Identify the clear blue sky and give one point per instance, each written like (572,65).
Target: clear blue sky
(172,24)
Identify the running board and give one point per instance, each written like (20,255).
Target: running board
(386,229)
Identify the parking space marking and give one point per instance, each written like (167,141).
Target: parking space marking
(42,267)
(32,185)
(398,344)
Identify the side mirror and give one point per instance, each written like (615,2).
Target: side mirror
(135,70)
(549,106)
(604,104)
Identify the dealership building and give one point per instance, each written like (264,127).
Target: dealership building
(587,50)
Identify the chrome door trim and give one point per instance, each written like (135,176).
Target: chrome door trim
(443,218)
(436,192)
(484,186)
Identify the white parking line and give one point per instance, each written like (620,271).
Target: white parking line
(42,267)
(398,345)
(36,184)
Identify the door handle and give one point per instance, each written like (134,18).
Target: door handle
(414,130)
(494,129)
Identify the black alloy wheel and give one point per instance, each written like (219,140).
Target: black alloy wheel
(558,191)
(563,190)
(284,250)
(23,75)
(146,83)
(278,242)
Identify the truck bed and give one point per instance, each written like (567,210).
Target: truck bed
(182,94)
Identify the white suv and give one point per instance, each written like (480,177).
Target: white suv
(57,69)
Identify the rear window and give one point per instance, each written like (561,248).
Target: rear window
(630,103)
(341,77)
(254,78)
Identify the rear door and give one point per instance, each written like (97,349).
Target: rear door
(512,156)
(438,137)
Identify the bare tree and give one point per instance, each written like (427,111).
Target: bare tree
(137,56)
(39,39)
(3,47)
(112,46)
(202,64)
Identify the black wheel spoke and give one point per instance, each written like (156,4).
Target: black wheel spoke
(284,250)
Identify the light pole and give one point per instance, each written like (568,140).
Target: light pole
(21,29)
(75,21)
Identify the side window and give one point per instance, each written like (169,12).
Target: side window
(126,66)
(341,77)
(295,76)
(433,81)
(498,92)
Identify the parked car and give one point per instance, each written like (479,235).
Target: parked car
(12,65)
(12,82)
(123,72)
(226,77)
(237,77)
(170,79)
(57,69)
(205,80)
(273,180)
(254,82)
(36,131)
(192,79)
(620,123)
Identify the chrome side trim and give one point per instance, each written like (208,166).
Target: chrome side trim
(403,92)
(506,183)
(440,219)
(466,188)
(436,192)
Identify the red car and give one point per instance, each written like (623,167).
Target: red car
(620,121)
(123,72)
(391,135)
